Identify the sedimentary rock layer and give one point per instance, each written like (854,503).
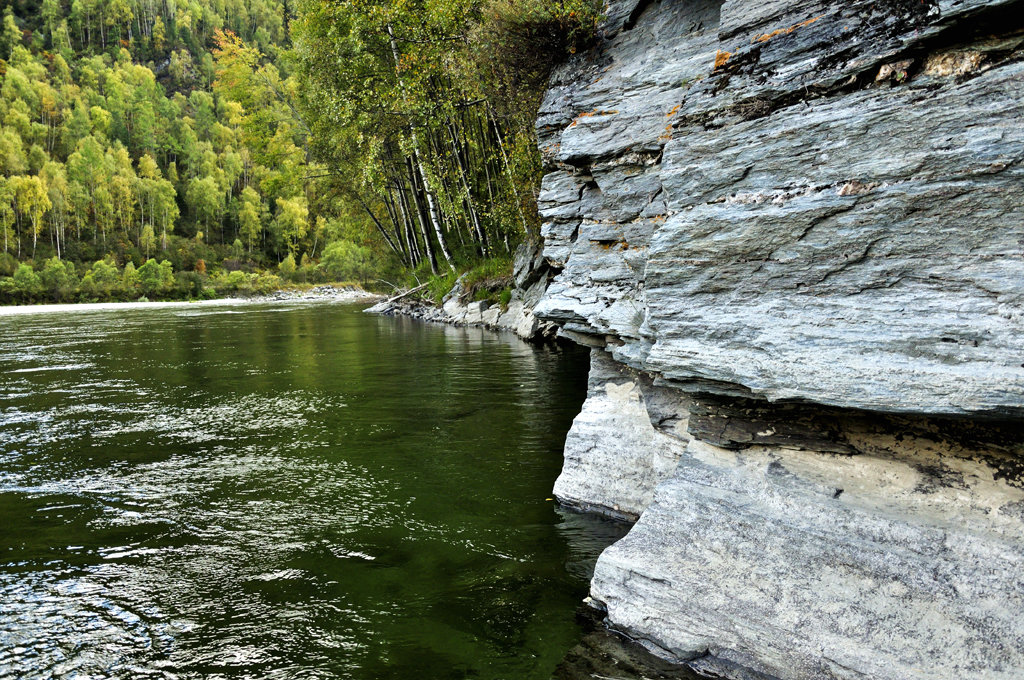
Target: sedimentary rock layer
(793,233)
(832,214)
(614,455)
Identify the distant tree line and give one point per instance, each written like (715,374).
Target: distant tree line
(101,154)
(395,135)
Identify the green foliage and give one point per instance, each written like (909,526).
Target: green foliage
(190,284)
(8,264)
(130,279)
(520,41)
(26,281)
(346,261)
(101,281)
(155,279)
(292,222)
(166,275)
(237,280)
(422,126)
(58,278)
(439,286)
(147,242)
(265,282)
(99,148)
(392,136)
(489,280)
(498,268)
(287,266)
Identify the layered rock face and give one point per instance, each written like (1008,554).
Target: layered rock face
(793,233)
(614,454)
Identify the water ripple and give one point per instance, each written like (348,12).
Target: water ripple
(289,492)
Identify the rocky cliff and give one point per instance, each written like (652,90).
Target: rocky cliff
(793,233)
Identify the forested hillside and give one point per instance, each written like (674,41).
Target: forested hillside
(181,148)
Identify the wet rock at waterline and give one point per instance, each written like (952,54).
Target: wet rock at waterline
(531,276)
(604,654)
(792,232)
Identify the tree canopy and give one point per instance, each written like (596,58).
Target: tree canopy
(225,135)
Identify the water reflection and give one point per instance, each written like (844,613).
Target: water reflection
(288,492)
(586,536)
(604,655)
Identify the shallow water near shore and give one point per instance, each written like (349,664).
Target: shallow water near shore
(324,293)
(284,491)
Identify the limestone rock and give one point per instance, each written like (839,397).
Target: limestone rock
(806,542)
(806,565)
(614,456)
(793,233)
(854,244)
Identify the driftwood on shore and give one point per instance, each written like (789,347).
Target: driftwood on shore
(408,292)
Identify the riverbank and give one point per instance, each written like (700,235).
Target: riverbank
(326,293)
(516,317)
(531,276)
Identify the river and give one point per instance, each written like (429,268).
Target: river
(284,491)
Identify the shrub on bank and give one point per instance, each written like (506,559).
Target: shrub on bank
(441,285)
(489,280)
(346,261)
(59,279)
(8,264)
(26,281)
(56,280)
(101,281)
(155,279)
(287,267)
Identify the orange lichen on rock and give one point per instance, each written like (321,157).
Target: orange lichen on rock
(765,37)
(674,111)
(667,134)
(721,57)
(588,114)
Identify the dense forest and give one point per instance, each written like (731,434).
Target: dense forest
(196,147)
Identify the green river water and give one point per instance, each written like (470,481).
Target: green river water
(284,491)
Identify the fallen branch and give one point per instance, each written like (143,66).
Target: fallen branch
(408,292)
